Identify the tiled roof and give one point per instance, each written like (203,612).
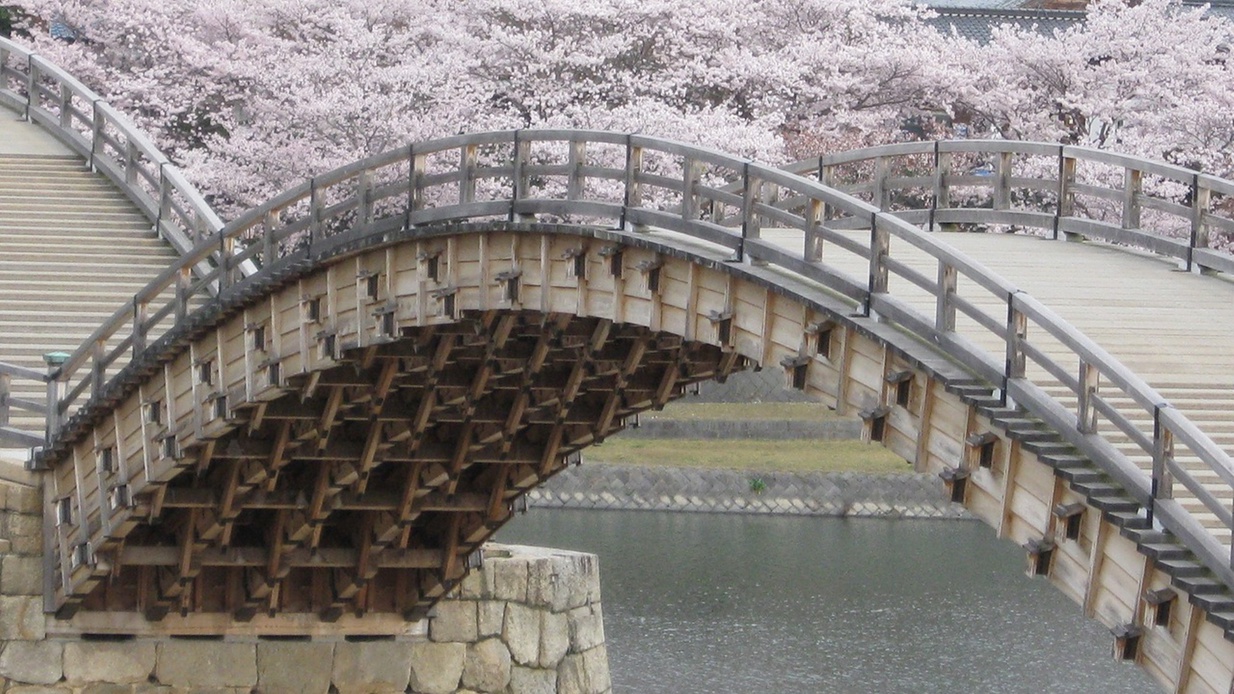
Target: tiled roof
(978,24)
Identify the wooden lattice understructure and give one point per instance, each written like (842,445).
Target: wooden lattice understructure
(366,486)
(337,449)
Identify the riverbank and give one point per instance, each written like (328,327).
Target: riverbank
(602,486)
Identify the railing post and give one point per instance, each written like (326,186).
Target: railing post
(942,183)
(130,164)
(813,251)
(417,165)
(314,213)
(162,202)
(827,176)
(880,248)
(364,203)
(1065,205)
(467,174)
(182,294)
(139,327)
(55,391)
(225,263)
(751,196)
(1017,334)
(1163,459)
(634,187)
(519,178)
(6,385)
(881,196)
(1002,193)
(1199,207)
(1133,186)
(944,308)
(32,81)
(66,112)
(578,159)
(98,370)
(1086,412)
(269,225)
(689,190)
(96,132)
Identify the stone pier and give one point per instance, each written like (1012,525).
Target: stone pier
(528,621)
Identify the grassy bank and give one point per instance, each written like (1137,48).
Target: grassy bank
(755,455)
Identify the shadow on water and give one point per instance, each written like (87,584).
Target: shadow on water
(726,603)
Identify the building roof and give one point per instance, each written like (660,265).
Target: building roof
(977,24)
(976,19)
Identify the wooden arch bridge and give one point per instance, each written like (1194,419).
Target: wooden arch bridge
(309,418)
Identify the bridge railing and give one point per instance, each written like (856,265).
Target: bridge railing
(81,119)
(10,436)
(1061,189)
(635,184)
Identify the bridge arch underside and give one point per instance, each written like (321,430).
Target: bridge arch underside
(322,453)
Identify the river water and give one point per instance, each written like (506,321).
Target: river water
(732,604)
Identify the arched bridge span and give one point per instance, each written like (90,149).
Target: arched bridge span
(387,356)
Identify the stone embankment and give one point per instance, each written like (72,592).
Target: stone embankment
(528,621)
(705,490)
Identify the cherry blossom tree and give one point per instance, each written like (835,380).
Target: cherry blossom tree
(253,96)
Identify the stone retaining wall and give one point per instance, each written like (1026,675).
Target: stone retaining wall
(655,488)
(650,428)
(528,621)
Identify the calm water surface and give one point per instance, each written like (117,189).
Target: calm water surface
(725,603)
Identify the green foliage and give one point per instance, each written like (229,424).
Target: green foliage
(757,485)
(11,20)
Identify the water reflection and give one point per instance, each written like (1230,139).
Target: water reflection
(715,603)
